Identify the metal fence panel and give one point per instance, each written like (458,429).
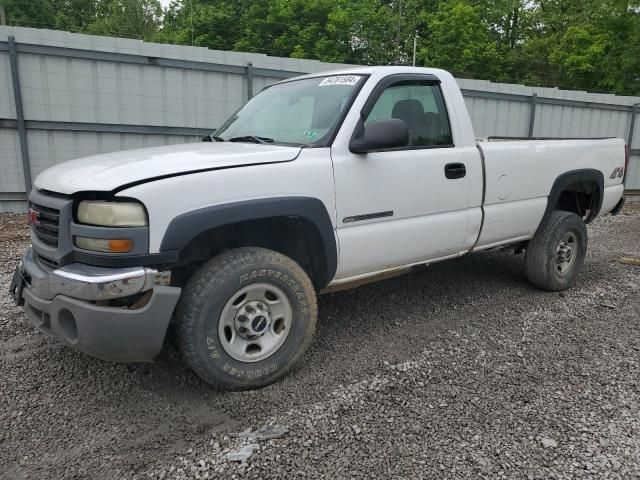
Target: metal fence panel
(7,105)
(566,121)
(498,117)
(83,95)
(70,145)
(633,175)
(11,175)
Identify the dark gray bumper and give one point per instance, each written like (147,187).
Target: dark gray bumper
(63,303)
(114,334)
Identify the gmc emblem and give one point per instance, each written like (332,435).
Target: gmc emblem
(33,217)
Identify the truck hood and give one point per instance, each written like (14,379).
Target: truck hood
(109,171)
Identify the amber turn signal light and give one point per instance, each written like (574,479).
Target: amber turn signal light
(122,245)
(114,245)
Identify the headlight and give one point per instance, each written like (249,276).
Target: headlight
(112,214)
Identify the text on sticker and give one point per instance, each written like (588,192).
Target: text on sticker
(339,80)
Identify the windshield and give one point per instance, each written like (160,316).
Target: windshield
(300,112)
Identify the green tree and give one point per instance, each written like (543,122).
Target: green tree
(590,45)
(459,41)
(581,44)
(381,32)
(74,15)
(126,18)
(35,13)
(297,28)
(216,24)
(122,18)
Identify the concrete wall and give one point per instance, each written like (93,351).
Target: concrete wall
(84,94)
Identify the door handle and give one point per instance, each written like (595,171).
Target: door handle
(455,170)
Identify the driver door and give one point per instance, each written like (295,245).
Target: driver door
(402,206)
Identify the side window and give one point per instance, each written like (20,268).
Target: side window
(421,107)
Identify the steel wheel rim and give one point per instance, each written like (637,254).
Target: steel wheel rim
(255,322)
(566,253)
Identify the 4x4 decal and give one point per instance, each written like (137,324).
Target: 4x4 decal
(617,172)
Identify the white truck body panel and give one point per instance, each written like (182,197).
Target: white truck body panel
(310,175)
(409,183)
(519,176)
(110,171)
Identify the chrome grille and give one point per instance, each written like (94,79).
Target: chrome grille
(45,223)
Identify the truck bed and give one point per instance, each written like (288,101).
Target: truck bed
(519,179)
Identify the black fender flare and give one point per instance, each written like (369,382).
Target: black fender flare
(187,226)
(572,176)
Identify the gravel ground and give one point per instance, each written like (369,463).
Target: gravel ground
(459,371)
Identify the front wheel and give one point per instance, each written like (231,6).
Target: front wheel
(245,318)
(555,255)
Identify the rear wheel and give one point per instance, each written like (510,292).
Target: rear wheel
(555,255)
(245,318)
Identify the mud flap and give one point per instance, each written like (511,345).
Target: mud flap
(618,207)
(17,286)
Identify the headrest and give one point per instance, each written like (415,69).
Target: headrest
(409,110)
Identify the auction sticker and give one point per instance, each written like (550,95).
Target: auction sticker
(339,80)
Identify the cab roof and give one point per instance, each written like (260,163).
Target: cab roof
(378,71)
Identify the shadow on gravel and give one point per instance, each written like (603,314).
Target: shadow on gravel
(68,415)
(104,412)
(359,329)
(391,321)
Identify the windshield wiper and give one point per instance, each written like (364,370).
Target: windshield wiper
(252,138)
(212,138)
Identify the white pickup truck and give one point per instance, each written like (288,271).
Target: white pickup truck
(319,182)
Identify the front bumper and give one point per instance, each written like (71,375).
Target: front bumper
(86,282)
(62,303)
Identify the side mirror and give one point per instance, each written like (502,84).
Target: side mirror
(381,135)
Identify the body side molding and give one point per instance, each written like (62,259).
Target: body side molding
(367,216)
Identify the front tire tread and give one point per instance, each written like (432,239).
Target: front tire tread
(206,281)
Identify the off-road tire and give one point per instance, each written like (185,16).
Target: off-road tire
(541,253)
(206,294)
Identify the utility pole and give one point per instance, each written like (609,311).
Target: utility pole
(415,45)
(398,53)
(3,18)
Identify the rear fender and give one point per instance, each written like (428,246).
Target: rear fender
(562,183)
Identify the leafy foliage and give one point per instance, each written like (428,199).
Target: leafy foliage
(455,41)
(121,18)
(580,44)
